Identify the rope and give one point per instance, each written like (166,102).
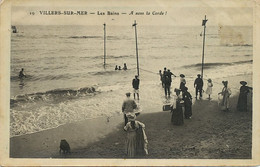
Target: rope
(189,78)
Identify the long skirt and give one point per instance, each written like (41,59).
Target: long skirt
(140,144)
(242,102)
(177,116)
(187,111)
(131,144)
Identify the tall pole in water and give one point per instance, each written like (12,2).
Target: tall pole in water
(136,48)
(104,44)
(202,64)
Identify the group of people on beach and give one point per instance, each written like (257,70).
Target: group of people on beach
(119,67)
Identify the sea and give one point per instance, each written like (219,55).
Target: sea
(67,81)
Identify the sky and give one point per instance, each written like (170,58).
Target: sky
(174,13)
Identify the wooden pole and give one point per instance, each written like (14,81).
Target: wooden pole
(202,64)
(104,44)
(136,48)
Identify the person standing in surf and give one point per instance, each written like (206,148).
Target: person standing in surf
(125,67)
(22,74)
(128,106)
(198,85)
(135,84)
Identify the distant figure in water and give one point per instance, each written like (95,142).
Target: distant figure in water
(209,88)
(226,92)
(242,99)
(161,77)
(169,73)
(136,143)
(22,74)
(125,67)
(116,68)
(176,109)
(167,85)
(182,82)
(186,96)
(135,84)
(128,106)
(198,85)
(119,67)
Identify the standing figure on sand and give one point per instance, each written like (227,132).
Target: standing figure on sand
(209,88)
(136,142)
(128,106)
(225,93)
(198,85)
(176,109)
(135,84)
(242,99)
(187,103)
(182,82)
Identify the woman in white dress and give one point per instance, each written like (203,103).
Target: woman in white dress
(209,88)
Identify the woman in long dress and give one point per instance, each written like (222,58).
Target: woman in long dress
(176,109)
(182,82)
(136,142)
(242,99)
(226,92)
(209,88)
(187,103)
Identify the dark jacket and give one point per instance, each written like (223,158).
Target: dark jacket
(135,83)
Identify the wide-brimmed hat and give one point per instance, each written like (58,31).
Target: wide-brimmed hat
(131,116)
(243,83)
(198,75)
(224,82)
(128,94)
(182,75)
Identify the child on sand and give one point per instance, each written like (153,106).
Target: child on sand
(209,88)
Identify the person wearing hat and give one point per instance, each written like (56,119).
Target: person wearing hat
(136,143)
(226,92)
(176,109)
(128,106)
(242,98)
(198,85)
(167,85)
(135,84)
(209,88)
(182,82)
(187,98)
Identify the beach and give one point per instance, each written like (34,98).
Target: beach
(210,134)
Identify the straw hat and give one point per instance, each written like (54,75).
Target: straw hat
(182,75)
(131,116)
(243,83)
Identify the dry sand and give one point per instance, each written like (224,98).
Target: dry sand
(210,133)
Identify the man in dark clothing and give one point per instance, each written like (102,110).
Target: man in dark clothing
(128,106)
(135,84)
(198,84)
(169,74)
(22,74)
(167,85)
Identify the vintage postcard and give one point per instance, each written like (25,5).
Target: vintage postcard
(129,83)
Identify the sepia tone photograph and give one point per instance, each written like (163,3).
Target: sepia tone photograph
(99,80)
